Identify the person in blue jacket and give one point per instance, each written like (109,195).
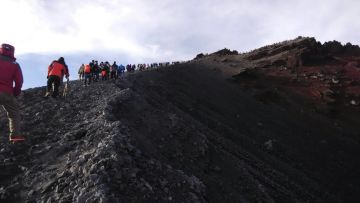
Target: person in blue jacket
(121,70)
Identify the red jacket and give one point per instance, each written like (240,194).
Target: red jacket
(87,68)
(10,72)
(58,69)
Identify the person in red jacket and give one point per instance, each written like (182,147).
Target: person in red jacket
(10,73)
(56,71)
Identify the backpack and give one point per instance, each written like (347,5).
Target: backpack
(87,68)
(7,50)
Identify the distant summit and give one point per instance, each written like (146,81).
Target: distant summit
(222,52)
(307,45)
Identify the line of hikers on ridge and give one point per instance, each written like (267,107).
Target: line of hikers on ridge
(93,71)
(90,72)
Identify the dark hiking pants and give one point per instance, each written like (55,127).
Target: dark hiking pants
(88,77)
(53,79)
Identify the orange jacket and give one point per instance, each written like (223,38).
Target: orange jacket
(87,68)
(57,69)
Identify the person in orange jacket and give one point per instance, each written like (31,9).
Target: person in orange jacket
(56,71)
(10,73)
(88,74)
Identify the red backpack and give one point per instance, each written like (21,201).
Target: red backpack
(7,50)
(87,68)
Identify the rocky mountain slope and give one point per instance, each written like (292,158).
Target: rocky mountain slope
(225,127)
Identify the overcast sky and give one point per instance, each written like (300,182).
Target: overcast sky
(134,31)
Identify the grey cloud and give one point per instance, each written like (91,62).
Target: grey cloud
(242,24)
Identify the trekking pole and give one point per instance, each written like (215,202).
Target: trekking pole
(66,88)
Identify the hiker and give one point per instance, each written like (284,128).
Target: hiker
(113,70)
(87,74)
(10,73)
(96,70)
(56,71)
(81,72)
(107,69)
(121,70)
(104,71)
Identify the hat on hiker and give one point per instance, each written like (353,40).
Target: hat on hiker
(7,50)
(61,60)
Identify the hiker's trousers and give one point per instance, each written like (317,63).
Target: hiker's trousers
(53,79)
(87,79)
(10,105)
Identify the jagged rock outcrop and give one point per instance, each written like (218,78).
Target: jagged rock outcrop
(199,56)
(225,51)
(222,52)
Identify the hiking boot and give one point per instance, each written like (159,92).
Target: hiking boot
(16,138)
(47,94)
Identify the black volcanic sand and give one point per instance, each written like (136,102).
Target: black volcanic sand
(184,133)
